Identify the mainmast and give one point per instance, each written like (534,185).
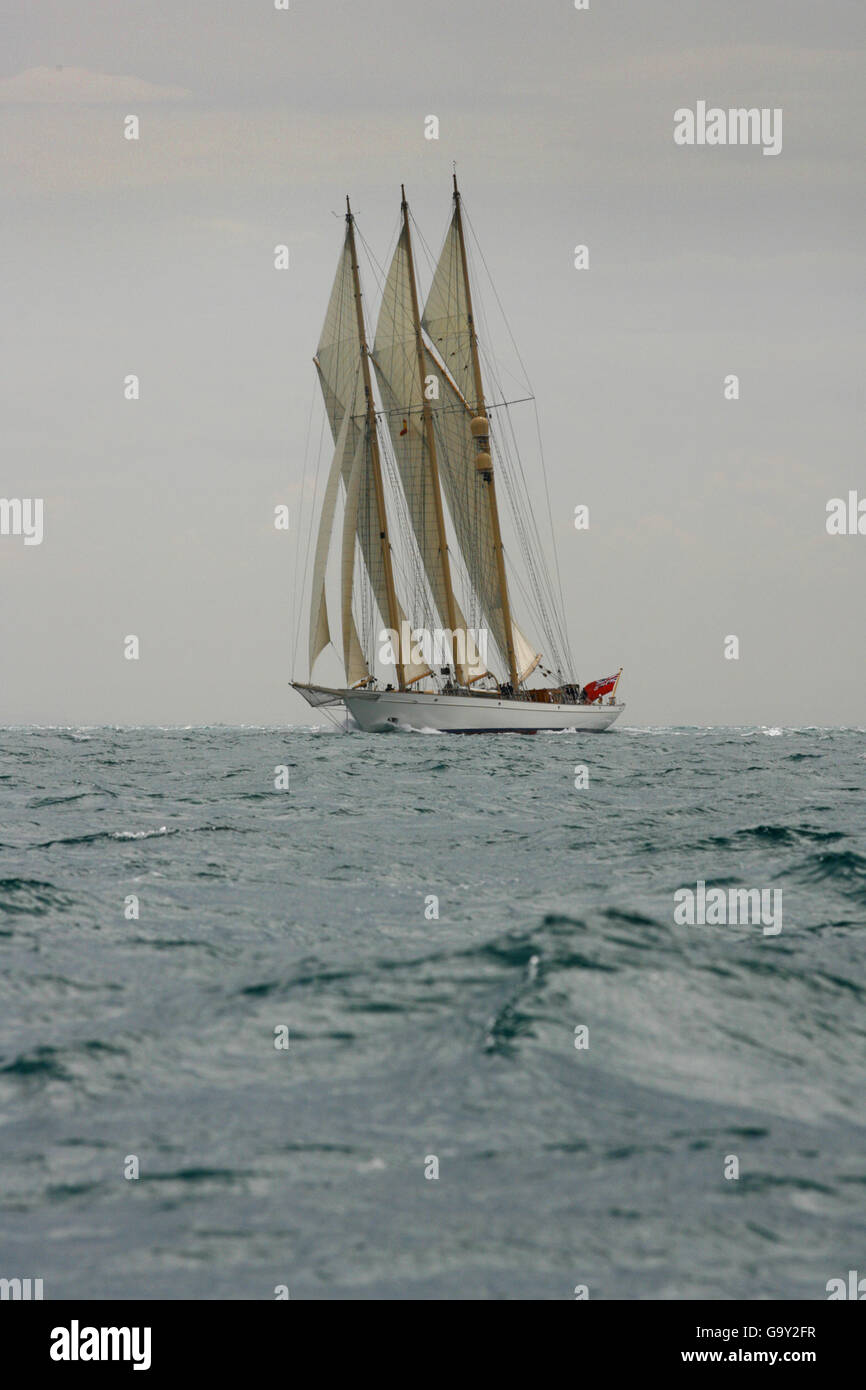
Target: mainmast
(375,461)
(451,610)
(480,428)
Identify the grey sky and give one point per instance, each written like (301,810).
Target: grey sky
(156,257)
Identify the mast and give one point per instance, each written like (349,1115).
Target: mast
(483,462)
(375,461)
(451,613)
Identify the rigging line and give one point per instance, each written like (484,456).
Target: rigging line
(556,564)
(343,728)
(378,273)
(459,410)
(431,259)
(547,591)
(534,597)
(374,260)
(538,432)
(478,247)
(541,593)
(561,636)
(297,605)
(541,580)
(526,593)
(489,362)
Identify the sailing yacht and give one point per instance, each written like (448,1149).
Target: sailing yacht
(417,469)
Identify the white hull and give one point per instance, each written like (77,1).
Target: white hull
(380,711)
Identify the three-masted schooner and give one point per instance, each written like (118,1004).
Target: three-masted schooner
(421,532)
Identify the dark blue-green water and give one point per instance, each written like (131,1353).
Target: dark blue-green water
(411,1038)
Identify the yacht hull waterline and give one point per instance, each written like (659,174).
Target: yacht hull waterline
(381,711)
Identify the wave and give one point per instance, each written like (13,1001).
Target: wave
(98,835)
(44,1063)
(64,800)
(772,835)
(30,896)
(845,869)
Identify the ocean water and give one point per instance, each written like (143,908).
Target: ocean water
(413,1037)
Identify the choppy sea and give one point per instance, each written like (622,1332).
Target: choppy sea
(510,1072)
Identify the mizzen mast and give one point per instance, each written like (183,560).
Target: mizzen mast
(430,435)
(480,428)
(375,460)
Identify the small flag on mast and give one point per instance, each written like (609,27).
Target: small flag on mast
(405,429)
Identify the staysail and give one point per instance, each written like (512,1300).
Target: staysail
(396,363)
(320,630)
(469,507)
(353,655)
(446,314)
(398,358)
(338,359)
(448,320)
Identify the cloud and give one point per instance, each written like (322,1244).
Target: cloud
(80,87)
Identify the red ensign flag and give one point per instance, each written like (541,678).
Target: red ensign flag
(593,690)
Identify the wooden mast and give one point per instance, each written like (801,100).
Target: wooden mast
(451,611)
(483,461)
(375,461)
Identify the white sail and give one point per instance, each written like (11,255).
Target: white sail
(353,657)
(467,502)
(446,315)
(338,356)
(469,506)
(320,631)
(446,321)
(395,359)
(526,656)
(356,669)
(337,360)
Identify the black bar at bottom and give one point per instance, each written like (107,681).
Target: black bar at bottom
(160,1339)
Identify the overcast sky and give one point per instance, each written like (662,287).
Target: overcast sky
(155,257)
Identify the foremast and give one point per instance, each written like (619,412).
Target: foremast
(480,429)
(375,460)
